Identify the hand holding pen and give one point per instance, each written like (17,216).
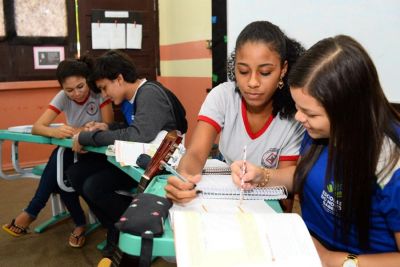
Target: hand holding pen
(180,188)
(243,173)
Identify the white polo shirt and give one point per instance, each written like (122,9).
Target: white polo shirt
(77,114)
(278,140)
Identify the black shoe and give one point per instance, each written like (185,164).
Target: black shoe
(112,242)
(109,250)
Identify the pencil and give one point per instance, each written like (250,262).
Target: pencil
(243,173)
(174,172)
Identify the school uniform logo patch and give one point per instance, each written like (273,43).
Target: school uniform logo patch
(270,158)
(91,108)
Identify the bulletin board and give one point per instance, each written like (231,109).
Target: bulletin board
(113,29)
(375,24)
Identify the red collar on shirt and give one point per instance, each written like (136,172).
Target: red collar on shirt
(247,124)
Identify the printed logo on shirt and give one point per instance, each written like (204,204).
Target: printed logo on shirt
(270,158)
(329,202)
(91,108)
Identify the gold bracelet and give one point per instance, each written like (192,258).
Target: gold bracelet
(266,177)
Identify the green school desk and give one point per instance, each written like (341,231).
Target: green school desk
(58,210)
(162,246)
(135,173)
(15,138)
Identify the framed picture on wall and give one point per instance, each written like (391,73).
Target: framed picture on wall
(47,57)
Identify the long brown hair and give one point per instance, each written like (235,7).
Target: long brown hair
(339,73)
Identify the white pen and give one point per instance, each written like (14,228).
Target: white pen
(173,171)
(243,173)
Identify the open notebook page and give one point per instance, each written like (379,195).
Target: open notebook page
(242,239)
(220,206)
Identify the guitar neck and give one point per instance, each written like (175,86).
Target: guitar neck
(163,153)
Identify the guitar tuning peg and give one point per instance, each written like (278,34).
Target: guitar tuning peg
(172,160)
(181,149)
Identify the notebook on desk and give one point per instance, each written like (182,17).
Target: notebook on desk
(222,187)
(216,229)
(214,166)
(242,239)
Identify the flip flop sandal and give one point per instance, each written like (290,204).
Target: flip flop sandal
(21,230)
(105,262)
(79,240)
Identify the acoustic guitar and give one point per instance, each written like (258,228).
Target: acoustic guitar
(163,153)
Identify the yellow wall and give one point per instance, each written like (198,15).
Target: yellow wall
(185,60)
(184,21)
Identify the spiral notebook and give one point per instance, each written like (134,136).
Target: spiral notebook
(222,187)
(214,166)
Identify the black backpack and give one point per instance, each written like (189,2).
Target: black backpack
(177,107)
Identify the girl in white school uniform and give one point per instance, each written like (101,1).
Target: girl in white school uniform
(81,106)
(255,110)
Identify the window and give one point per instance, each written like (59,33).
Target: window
(40,18)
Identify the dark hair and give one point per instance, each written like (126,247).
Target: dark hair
(339,73)
(111,64)
(288,50)
(76,67)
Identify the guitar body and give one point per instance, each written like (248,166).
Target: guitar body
(163,153)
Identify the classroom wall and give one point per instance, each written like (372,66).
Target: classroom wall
(22,103)
(185,60)
(374,23)
(185,68)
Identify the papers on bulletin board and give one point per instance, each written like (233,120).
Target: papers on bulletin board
(133,36)
(108,36)
(116,29)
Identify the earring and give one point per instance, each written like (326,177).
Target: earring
(280,84)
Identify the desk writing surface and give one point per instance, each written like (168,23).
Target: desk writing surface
(67,142)
(133,172)
(164,245)
(39,139)
(24,137)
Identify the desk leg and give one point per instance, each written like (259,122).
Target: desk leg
(60,170)
(15,159)
(20,173)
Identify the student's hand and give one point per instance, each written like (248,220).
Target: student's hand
(179,191)
(64,131)
(75,144)
(92,126)
(253,176)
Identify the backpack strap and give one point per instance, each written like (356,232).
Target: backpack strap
(146,250)
(178,110)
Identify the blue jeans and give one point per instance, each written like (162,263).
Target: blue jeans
(48,185)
